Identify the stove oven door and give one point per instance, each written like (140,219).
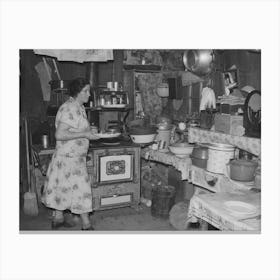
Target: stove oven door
(115,168)
(115,178)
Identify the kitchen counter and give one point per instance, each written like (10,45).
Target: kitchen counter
(200,177)
(252,145)
(181,164)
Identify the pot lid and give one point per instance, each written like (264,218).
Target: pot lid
(220,146)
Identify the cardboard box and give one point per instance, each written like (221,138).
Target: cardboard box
(231,109)
(228,123)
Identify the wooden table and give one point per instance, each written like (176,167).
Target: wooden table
(213,209)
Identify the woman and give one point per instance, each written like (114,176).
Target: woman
(67,183)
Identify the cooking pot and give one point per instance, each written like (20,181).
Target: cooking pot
(219,156)
(143,139)
(163,90)
(200,152)
(242,170)
(199,162)
(198,61)
(140,130)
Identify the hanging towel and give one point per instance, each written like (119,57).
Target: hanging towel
(208,99)
(44,80)
(82,55)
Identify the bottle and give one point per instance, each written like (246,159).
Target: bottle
(102,100)
(114,99)
(45,141)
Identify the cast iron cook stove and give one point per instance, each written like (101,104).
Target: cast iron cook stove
(114,169)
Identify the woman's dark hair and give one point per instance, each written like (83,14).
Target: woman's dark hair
(76,86)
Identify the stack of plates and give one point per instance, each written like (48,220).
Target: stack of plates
(240,208)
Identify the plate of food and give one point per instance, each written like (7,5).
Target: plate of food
(108,135)
(114,106)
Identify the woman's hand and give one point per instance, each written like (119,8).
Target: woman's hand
(91,135)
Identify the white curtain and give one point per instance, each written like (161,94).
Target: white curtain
(77,55)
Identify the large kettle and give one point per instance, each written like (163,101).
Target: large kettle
(199,62)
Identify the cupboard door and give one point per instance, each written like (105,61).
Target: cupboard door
(218,83)
(175,88)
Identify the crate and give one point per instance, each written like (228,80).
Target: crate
(229,124)
(231,109)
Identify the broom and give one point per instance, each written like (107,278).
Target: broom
(30,206)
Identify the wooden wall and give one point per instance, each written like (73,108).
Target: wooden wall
(31,98)
(249,65)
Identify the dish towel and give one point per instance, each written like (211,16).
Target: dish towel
(208,99)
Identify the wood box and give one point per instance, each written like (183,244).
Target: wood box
(228,123)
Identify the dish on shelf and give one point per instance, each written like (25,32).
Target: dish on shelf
(143,139)
(182,155)
(114,106)
(108,135)
(240,207)
(181,149)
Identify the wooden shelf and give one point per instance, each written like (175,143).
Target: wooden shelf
(108,109)
(143,68)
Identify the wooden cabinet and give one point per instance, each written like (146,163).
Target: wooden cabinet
(176,90)
(141,87)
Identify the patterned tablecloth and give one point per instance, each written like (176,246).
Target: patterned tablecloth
(213,208)
(252,145)
(218,182)
(181,164)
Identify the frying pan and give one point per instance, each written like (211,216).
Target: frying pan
(199,62)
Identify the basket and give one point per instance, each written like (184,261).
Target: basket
(163,198)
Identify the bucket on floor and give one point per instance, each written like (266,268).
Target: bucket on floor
(163,198)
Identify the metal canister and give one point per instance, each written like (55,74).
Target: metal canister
(102,100)
(114,99)
(45,141)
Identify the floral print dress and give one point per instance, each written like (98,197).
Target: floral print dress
(67,184)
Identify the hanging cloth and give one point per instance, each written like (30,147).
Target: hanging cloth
(208,99)
(78,55)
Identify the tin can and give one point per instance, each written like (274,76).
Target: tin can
(116,85)
(102,101)
(114,100)
(110,85)
(45,141)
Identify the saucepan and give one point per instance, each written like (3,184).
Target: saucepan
(199,61)
(242,170)
(143,135)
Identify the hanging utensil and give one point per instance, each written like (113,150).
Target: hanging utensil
(199,62)
(47,68)
(56,69)
(30,206)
